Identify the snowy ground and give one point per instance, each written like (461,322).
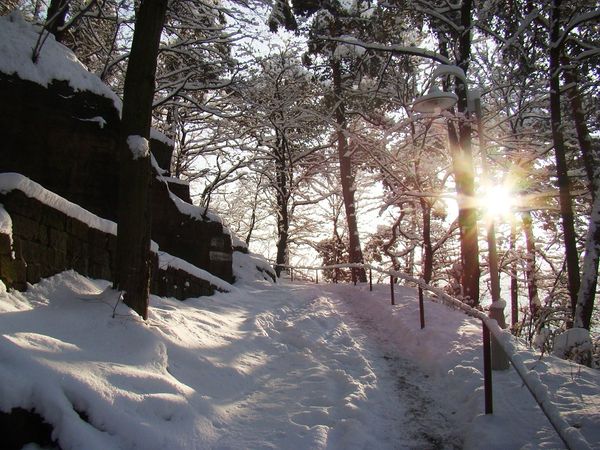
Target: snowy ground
(292,366)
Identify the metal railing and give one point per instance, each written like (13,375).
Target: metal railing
(569,435)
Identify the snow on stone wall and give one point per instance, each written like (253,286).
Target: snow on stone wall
(55,62)
(52,234)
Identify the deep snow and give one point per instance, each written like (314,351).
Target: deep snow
(298,366)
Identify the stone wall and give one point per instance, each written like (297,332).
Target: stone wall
(66,141)
(46,241)
(54,136)
(200,242)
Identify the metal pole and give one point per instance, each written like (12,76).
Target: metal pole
(487,370)
(499,358)
(370,279)
(392,289)
(421,308)
(316,276)
(292,274)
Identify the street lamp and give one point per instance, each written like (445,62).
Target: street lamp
(435,101)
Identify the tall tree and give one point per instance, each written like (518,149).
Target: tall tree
(566,204)
(132,275)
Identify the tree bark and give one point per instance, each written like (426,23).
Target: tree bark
(566,206)
(462,164)
(55,19)
(133,240)
(346,175)
(514,282)
(532,292)
(283,220)
(427,247)
(587,291)
(590,156)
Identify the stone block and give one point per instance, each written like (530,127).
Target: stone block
(220,257)
(77,229)
(15,202)
(5,244)
(97,239)
(33,272)
(162,153)
(217,243)
(60,260)
(28,229)
(13,272)
(100,256)
(59,240)
(32,251)
(78,256)
(99,271)
(54,219)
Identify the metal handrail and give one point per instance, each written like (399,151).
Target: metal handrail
(570,436)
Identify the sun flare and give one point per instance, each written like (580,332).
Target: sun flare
(497,201)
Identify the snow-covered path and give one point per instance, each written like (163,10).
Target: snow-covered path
(328,379)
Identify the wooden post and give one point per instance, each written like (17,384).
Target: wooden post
(421,308)
(370,279)
(292,274)
(487,370)
(316,276)
(392,289)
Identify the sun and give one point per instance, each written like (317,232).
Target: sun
(497,201)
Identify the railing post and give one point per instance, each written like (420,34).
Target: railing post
(487,370)
(421,308)
(392,289)
(370,279)
(316,276)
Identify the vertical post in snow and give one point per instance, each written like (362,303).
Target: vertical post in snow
(354,276)
(292,274)
(392,289)
(370,279)
(421,308)
(487,370)
(316,276)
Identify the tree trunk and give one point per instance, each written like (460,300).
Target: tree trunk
(283,220)
(55,19)
(346,175)
(427,247)
(532,292)
(133,240)
(462,164)
(590,156)
(566,206)
(514,282)
(587,291)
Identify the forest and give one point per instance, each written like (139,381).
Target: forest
(306,125)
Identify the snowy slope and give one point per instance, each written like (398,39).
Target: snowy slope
(289,366)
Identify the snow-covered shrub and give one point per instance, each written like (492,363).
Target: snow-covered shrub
(574,344)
